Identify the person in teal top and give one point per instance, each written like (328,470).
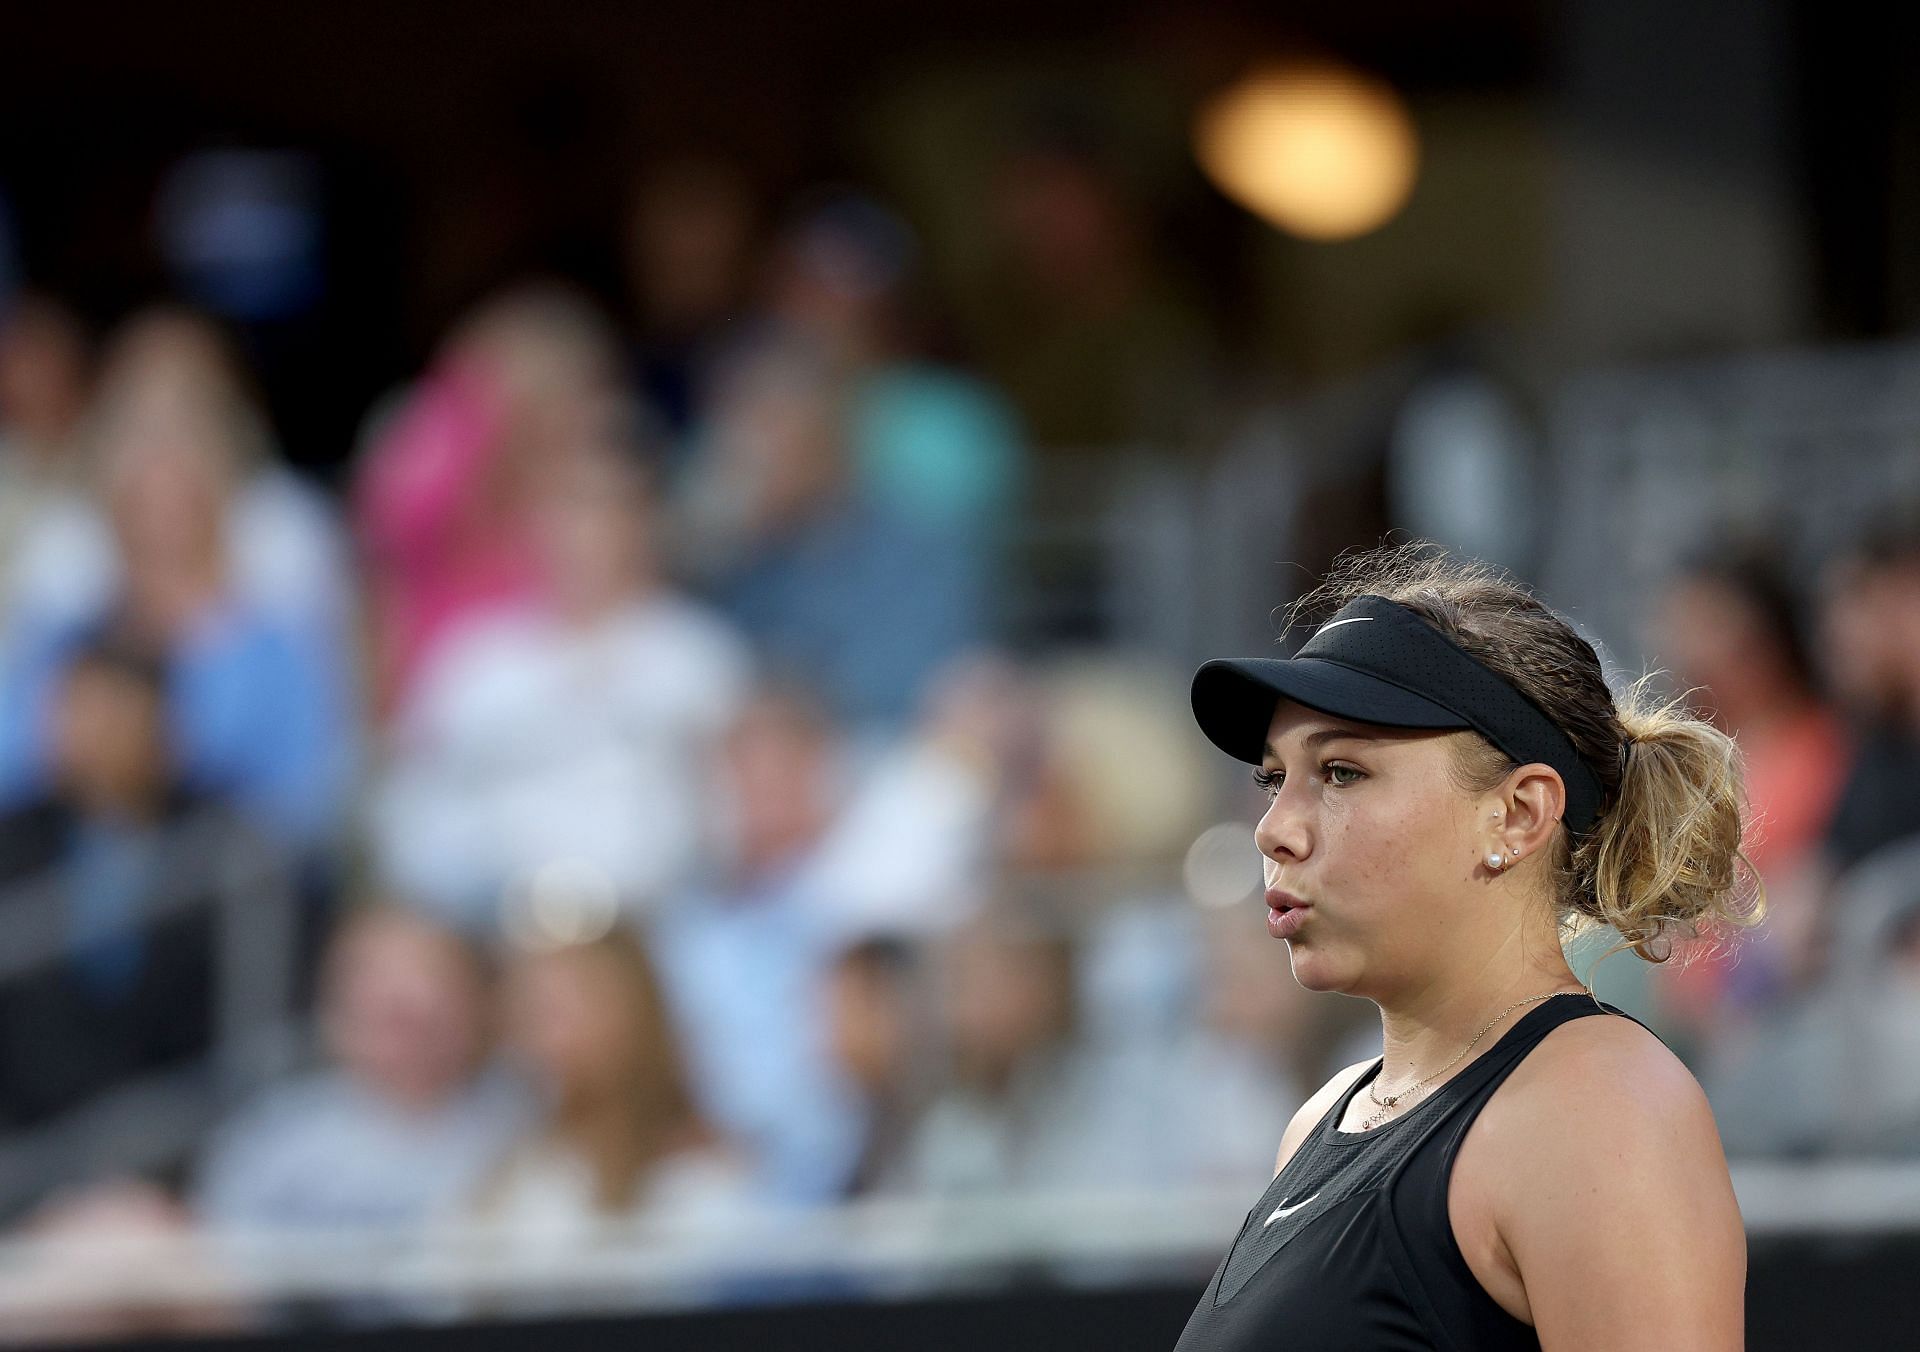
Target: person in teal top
(930,443)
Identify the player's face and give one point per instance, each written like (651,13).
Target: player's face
(1368,838)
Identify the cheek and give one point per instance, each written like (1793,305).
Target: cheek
(1365,836)
(1386,847)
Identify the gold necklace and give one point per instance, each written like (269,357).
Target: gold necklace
(1386,1105)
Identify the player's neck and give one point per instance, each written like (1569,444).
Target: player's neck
(1422,1029)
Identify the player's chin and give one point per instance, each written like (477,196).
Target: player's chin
(1315,968)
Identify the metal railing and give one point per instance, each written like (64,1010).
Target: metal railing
(210,861)
(877,1249)
(1793,449)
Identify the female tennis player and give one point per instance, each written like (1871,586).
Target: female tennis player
(1453,788)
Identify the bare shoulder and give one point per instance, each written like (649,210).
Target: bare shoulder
(1316,1108)
(1603,1099)
(1593,1078)
(1608,1189)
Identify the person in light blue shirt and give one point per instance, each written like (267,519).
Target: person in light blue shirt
(832,581)
(259,709)
(744,963)
(250,716)
(867,605)
(744,973)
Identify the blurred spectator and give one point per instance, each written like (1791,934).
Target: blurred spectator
(1870,622)
(743,962)
(926,442)
(621,1138)
(446,475)
(579,726)
(1890,1118)
(1731,632)
(689,236)
(171,384)
(1241,1073)
(115,1261)
(1023,1104)
(1189,1041)
(44,372)
(855,598)
(912,837)
(133,990)
(257,710)
(841,850)
(1103,777)
(1847,1045)
(1849,1048)
(409,1117)
(879,1031)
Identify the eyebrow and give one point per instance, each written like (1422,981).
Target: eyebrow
(1316,739)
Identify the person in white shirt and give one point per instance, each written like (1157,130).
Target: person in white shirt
(171,371)
(577,732)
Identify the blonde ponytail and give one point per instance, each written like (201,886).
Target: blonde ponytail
(1665,863)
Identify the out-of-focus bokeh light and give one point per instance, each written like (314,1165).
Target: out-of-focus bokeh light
(563,902)
(1222,867)
(1317,149)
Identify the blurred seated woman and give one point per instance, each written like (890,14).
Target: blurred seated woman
(620,1138)
(877,1026)
(170,373)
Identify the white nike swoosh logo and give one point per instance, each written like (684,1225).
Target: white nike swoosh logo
(1335,624)
(1284,1210)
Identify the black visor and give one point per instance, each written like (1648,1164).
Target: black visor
(1377,662)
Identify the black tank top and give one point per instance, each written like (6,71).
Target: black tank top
(1351,1245)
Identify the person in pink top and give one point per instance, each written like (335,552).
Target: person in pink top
(1732,631)
(440,502)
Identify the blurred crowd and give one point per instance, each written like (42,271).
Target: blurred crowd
(1807,1035)
(666,826)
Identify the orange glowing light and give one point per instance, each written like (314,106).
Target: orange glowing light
(1320,150)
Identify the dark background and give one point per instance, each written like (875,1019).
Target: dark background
(460,144)
(1801,1294)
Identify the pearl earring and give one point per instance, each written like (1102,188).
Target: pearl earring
(1494,861)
